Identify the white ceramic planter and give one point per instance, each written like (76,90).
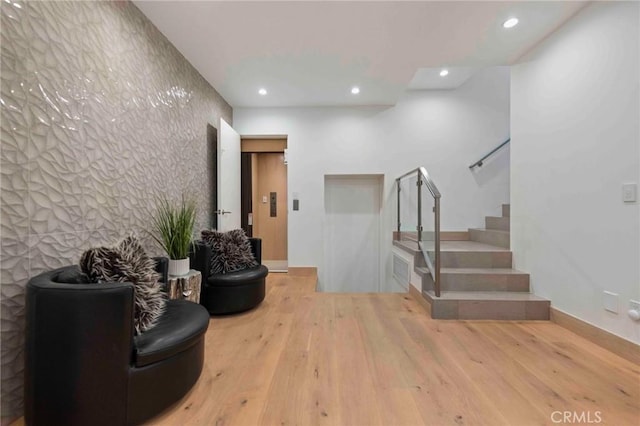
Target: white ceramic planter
(178,267)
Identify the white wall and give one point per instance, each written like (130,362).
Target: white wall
(442,130)
(575,140)
(352,234)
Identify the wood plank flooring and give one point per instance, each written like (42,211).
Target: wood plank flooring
(306,358)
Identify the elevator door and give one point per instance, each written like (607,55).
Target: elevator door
(270,208)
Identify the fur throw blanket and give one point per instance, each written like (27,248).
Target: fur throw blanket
(231,251)
(127,261)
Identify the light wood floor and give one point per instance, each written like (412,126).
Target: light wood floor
(305,358)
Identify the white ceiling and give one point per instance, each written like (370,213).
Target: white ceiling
(430,78)
(312,53)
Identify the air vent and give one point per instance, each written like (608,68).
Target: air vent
(401,271)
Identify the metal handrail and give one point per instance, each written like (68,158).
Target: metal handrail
(430,184)
(423,178)
(480,161)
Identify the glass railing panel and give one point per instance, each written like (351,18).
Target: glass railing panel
(428,234)
(419,219)
(408,197)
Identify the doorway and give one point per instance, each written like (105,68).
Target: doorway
(229,179)
(352,233)
(264,198)
(212,173)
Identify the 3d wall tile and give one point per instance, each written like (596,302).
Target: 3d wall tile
(100,114)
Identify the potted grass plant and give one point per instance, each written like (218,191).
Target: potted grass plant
(173,230)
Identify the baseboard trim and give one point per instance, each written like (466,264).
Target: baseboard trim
(415,293)
(303,271)
(619,346)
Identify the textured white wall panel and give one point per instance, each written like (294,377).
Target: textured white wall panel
(99,115)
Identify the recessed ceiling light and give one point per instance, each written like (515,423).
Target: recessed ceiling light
(355,90)
(444,73)
(262,91)
(510,23)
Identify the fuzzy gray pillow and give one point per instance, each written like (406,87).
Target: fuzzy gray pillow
(230,251)
(127,261)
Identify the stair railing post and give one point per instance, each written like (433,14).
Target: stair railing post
(437,265)
(399,236)
(419,227)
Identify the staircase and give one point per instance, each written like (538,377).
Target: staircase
(477,279)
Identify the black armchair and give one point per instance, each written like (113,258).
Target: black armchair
(83,364)
(234,291)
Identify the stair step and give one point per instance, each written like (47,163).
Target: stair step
(498,223)
(410,247)
(472,254)
(429,235)
(506,210)
(487,305)
(483,279)
(469,246)
(422,270)
(462,254)
(491,236)
(475,259)
(413,249)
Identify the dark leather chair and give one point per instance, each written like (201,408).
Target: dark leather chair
(234,291)
(85,366)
